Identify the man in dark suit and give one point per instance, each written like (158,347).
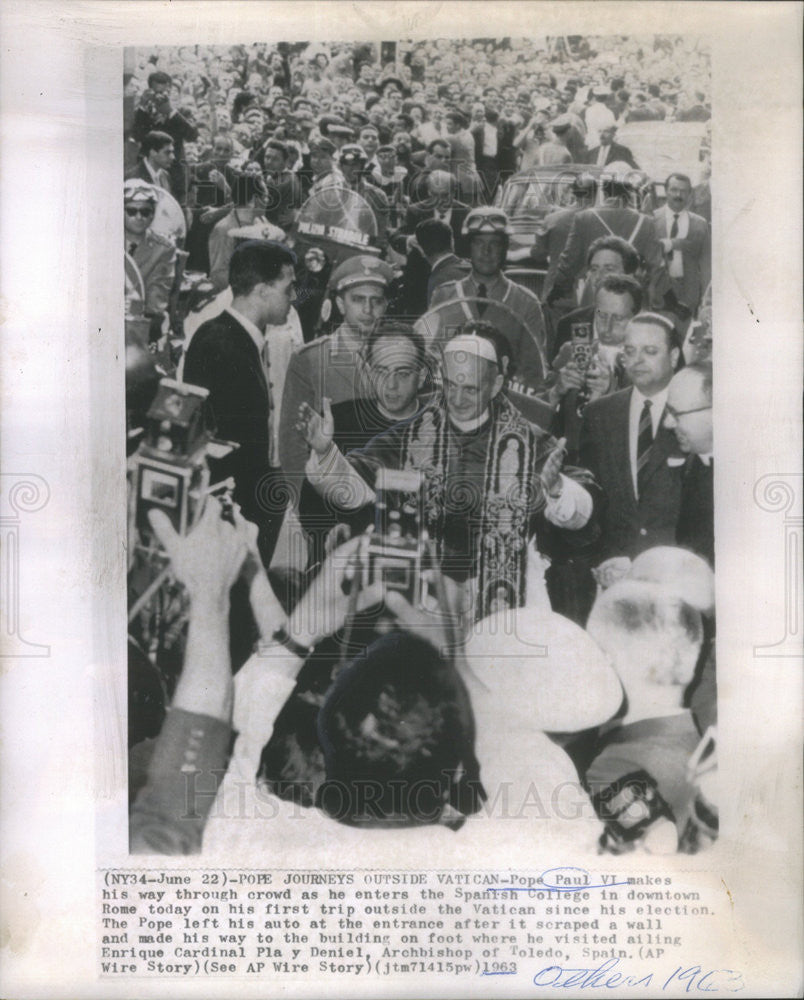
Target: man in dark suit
(610,151)
(590,365)
(439,206)
(434,239)
(686,241)
(689,415)
(155,113)
(158,157)
(494,148)
(226,357)
(626,446)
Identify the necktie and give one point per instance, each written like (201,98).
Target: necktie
(644,442)
(482,293)
(674,227)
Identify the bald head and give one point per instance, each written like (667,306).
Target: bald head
(439,184)
(680,570)
(651,634)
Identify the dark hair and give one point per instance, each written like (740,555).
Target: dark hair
(438,142)
(680,177)
(395,328)
(629,256)
(240,103)
(418,756)
(433,236)
(277,145)
(255,262)
(158,78)
(623,284)
(154,141)
(501,344)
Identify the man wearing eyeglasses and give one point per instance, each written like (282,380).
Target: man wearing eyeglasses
(154,255)
(688,413)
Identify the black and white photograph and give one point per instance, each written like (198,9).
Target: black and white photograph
(375,620)
(419,425)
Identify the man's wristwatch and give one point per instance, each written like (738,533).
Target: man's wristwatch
(283,638)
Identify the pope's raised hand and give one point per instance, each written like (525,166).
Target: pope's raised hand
(551,470)
(317,429)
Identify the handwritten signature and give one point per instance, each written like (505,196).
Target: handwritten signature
(694,978)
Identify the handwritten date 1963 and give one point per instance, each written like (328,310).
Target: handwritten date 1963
(693,979)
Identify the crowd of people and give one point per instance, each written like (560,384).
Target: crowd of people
(442,448)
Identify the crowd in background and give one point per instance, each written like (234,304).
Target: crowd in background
(554,393)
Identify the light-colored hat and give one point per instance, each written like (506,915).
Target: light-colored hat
(538,667)
(137,190)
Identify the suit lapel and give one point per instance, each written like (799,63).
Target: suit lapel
(620,452)
(249,350)
(664,445)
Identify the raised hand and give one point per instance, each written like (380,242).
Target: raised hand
(551,470)
(208,560)
(317,429)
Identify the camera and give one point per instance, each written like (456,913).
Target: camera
(169,470)
(582,345)
(582,353)
(397,548)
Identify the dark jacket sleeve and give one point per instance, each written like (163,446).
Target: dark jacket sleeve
(188,764)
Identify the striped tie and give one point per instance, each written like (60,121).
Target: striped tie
(644,443)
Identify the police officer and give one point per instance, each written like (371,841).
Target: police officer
(352,162)
(485,290)
(332,366)
(154,255)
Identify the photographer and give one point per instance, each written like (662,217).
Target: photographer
(586,369)
(190,755)
(155,113)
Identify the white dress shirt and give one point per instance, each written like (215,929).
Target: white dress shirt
(489,139)
(657,409)
(675,265)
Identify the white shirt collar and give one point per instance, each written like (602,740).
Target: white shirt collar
(466,426)
(683,214)
(657,408)
(706,459)
(253,331)
(657,404)
(154,173)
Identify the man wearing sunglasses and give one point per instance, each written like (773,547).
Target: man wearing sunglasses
(154,255)
(688,413)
